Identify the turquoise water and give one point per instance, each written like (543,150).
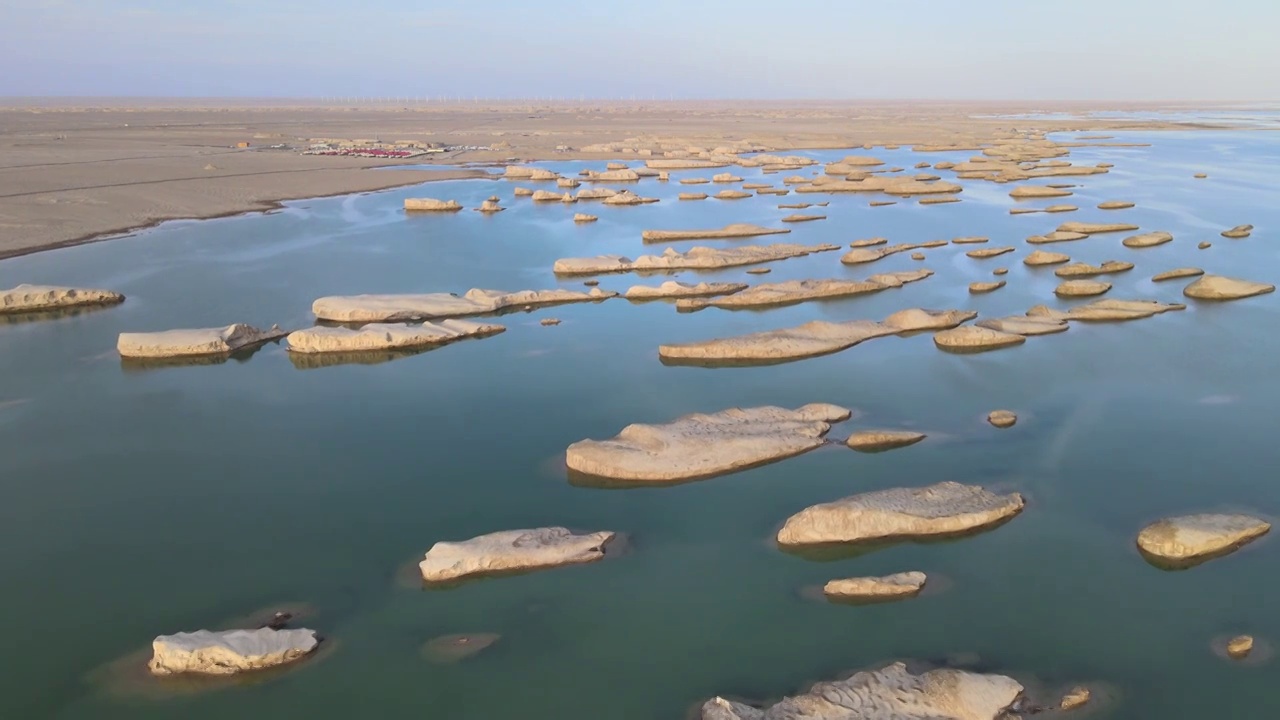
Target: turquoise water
(140,502)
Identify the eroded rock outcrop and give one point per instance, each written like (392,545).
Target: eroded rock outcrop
(1146,240)
(1081,288)
(429,306)
(947,508)
(431,205)
(790,292)
(1106,310)
(1025,326)
(972,339)
(1086,270)
(735,230)
(512,551)
(704,445)
(890,693)
(673,289)
(1037,191)
(1237,232)
(1177,273)
(386,336)
(1192,539)
(1040,257)
(229,652)
(195,342)
(698,258)
(898,586)
(1217,287)
(1095,228)
(40,298)
(864,253)
(881,440)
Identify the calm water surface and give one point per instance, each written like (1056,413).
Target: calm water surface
(139,502)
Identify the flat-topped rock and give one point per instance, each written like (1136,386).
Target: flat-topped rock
(1056,236)
(731,195)
(1107,310)
(969,240)
(810,339)
(1037,191)
(598,193)
(971,338)
(523,192)
(1002,418)
(1190,539)
(1086,270)
(1217,287)
(868,242)
(194,342)
(574,182)
(431,306)
(898,586)
(801,217)
(512,551)
(545,196)
(1095,228)
(698,258)
(1040,257)
(1205,245)
(1061,208)
(890,693)
(939,200)
(1000,271)
(947,508)
(616,175)
(584,218)
(1026,326)
(431,205)
(725,178)
(674,289)
(790,292)
(759,271)
(733,230)
(1200,176)
(1115,205)
(991,252)
(683,164)
(865,254)
(1237,232)
(39,298)
(1177,273)
(704,445)
(881,440)
(1081,288)
(1146,240)
(626,197)
(229,652)
(694,181)
(795,206)
(692,196)
(380,336)
(978,288)
(882,203)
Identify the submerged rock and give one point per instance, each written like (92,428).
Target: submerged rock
(698,258)
(379,336)
(790,292)
(1205,245)
(39,298)
(673,289)
(512,550)
(189,343)
(1002,418)
(1075,697)
(1177,273)
(1239,647)
(1040,257)
(881,440)
(1106,310)
(704,445)
(947,508)
(1081,288)
(455,648)
(890,693)
(1217,287)
(1056,236)
(1192,539)
(734,230)
(230,651)
(1237,232)
(1146,240)
(1087,270)
(1095,228)
(808,340)
(1025,326)
(431,205)
(889,587)
(1115,205)
(971,338)
(430,306)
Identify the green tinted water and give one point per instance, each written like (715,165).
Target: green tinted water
(140,502)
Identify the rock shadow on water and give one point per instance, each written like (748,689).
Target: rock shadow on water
(135,364)
(128,678)
(315,361)
(39,316)
(409,576)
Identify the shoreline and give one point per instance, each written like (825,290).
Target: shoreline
(75,176)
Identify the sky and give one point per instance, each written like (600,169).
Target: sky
(667,49)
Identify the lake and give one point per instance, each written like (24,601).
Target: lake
(143,501)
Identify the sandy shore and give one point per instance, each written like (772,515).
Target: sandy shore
(72,171)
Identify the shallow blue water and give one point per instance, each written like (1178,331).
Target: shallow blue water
(140,502)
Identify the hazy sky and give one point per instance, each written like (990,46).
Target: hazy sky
(955,49)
